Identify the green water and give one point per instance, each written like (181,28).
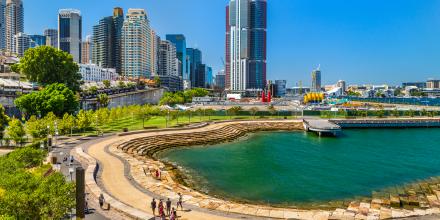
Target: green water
(295,167)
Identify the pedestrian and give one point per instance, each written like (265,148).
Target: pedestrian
(101,200)
(153,206)
(174,213)
(161,212)
(180,202)
(168,203)
(172,216)
(71,159)
(157,174)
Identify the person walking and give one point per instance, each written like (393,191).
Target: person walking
(153,207)
(161,212)
(180,202)
(101,200)
(168,203)
(173,214)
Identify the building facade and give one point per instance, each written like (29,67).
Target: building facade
(246,45)
(136,45)
(281,86)
(118,22)
(433,84)
(95,73)
(343,85)
(316,80)
(220,80)
(37,40)
(2,25)
(51,37)
(22,42)
(103,41)
(167,59)
(194,60)
(179,42)
(70,32)
(14,19)
(86,50)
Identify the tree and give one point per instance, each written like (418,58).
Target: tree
(103,100)
(210,112)
(16,131)
(144,113)
(36,127)
(47,65)
(253,111)
(233,111)
(272,110)
(93,90)
(67,124)
(157,81)
(84,120)
(56,98)
(4,119)
(200,112)
(106,83)
(121,85)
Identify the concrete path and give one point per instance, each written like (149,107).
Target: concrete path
(115,181)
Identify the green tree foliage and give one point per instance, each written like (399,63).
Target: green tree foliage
(56,98)
(106,83)
(47,65)
(253,111)
(26,194)
(173,98)
(272,110)
(84,120)
(103,100)
(15,131)
(233,111)
(4,119)
(67,124)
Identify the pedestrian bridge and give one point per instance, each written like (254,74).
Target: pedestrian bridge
(321,127)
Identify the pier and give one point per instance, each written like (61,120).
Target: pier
(321,127)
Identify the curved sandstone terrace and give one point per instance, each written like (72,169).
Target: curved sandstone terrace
(134,190)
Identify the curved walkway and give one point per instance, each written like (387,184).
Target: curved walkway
(118,185)
(130,197)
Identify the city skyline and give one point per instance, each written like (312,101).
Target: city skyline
(362,42)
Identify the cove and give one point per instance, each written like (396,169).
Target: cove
(279,168)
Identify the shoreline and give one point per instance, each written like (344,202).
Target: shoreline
(386,204)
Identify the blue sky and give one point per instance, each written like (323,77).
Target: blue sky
(362,41)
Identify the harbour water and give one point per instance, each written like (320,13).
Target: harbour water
(295,167)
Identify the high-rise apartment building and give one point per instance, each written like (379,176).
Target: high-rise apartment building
(316,80)
(51,37)
(2,25)
(22,42)
(70,32)
(220,79)
(107,40)
(167,59)
(246,44)
(136,49)
(179,41)
(14,19)
(86,50)
(194,59)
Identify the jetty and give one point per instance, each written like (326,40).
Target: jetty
(388,123)
(321,127)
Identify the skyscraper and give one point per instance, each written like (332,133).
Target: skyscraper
(316,80)
(136,44)
(70,32)
(86,50)
(194,59)
(107,41)
(14,19)
(246,44)
(2,24)
(180,42)
(21,42)
(51,37)
(167,59)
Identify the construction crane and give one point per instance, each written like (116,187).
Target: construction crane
(223,61)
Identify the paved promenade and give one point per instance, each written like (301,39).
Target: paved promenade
(127,193)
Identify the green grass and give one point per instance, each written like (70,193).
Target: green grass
(134,124)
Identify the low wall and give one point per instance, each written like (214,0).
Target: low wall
(388,123)
(151,96)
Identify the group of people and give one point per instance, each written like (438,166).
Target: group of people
(166,210)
